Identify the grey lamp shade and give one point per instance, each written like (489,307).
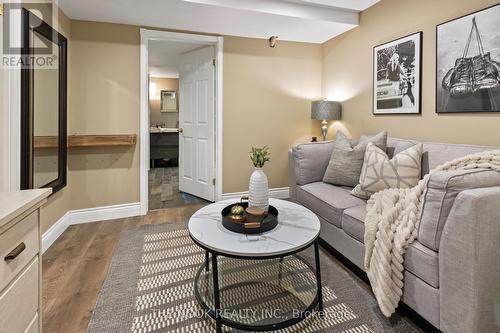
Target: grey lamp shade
(326,110)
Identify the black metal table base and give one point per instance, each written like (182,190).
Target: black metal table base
(215,313)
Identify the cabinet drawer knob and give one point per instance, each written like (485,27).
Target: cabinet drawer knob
(14,253)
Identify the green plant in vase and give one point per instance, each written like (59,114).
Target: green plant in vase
(260,156)
(258,191)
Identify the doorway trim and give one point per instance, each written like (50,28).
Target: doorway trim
(10,117)
(218,42)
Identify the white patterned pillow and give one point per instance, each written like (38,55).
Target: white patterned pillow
(379,172)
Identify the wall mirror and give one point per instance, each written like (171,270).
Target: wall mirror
(43,106)
(169,101)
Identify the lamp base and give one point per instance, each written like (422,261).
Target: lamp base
(324,129)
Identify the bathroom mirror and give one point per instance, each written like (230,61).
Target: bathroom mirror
(169,101)
(43,106)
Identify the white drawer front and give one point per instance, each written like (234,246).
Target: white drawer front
(19,302)
(25,232)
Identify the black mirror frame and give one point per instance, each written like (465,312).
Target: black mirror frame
(31,22)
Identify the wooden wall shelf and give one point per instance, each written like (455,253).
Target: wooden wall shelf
(88,141)
(45,142)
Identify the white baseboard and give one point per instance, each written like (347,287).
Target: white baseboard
(276,193)
(53,233)
(104,213)
(87,215)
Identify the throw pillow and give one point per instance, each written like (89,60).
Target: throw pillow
(345,164)
(379,172)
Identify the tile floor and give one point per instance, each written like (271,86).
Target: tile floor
(164,190)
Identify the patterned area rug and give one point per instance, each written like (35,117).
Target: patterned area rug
(149,288)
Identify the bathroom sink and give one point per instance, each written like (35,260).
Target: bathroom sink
(163,130)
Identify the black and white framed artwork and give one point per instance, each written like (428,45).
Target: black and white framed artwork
(468,63)
(397,76)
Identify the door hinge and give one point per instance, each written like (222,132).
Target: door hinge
(213,61)
(213,181)
(1,9)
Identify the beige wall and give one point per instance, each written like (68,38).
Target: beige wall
(104,90)
(347,73)
(170,119)
(103,93)
(266,101)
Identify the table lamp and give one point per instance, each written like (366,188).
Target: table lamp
(325,110)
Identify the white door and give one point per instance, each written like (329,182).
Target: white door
(197,123)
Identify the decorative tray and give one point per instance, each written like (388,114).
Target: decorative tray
(248,224)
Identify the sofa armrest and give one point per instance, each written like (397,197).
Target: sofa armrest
(469,263)
(309,161)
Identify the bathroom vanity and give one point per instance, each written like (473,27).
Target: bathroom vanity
(164,144)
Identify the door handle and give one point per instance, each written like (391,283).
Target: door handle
(180,130)
(14,253)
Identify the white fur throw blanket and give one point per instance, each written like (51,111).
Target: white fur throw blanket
(391,225)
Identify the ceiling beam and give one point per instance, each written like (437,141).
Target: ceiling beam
(358,5)
(288,9)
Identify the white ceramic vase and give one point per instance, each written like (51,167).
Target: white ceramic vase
(258,192)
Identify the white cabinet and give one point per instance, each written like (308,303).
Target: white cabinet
(20,260)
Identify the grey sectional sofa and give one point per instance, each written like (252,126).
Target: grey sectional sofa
(452,272)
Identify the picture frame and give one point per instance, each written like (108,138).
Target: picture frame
(397,73)
(169,102)
(468,63)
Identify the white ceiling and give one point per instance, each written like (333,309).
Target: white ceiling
(314,21)
(164,57)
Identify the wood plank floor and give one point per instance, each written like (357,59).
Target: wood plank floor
(75,266)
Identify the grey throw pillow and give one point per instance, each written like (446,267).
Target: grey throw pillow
(347,160)
(379,172)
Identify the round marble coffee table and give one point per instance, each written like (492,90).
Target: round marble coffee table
(244,266)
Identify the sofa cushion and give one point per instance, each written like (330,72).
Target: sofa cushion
(310,161)
(422,262)
(442,190)
(419,260)
(327,201)
(353,222)
(346,160)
